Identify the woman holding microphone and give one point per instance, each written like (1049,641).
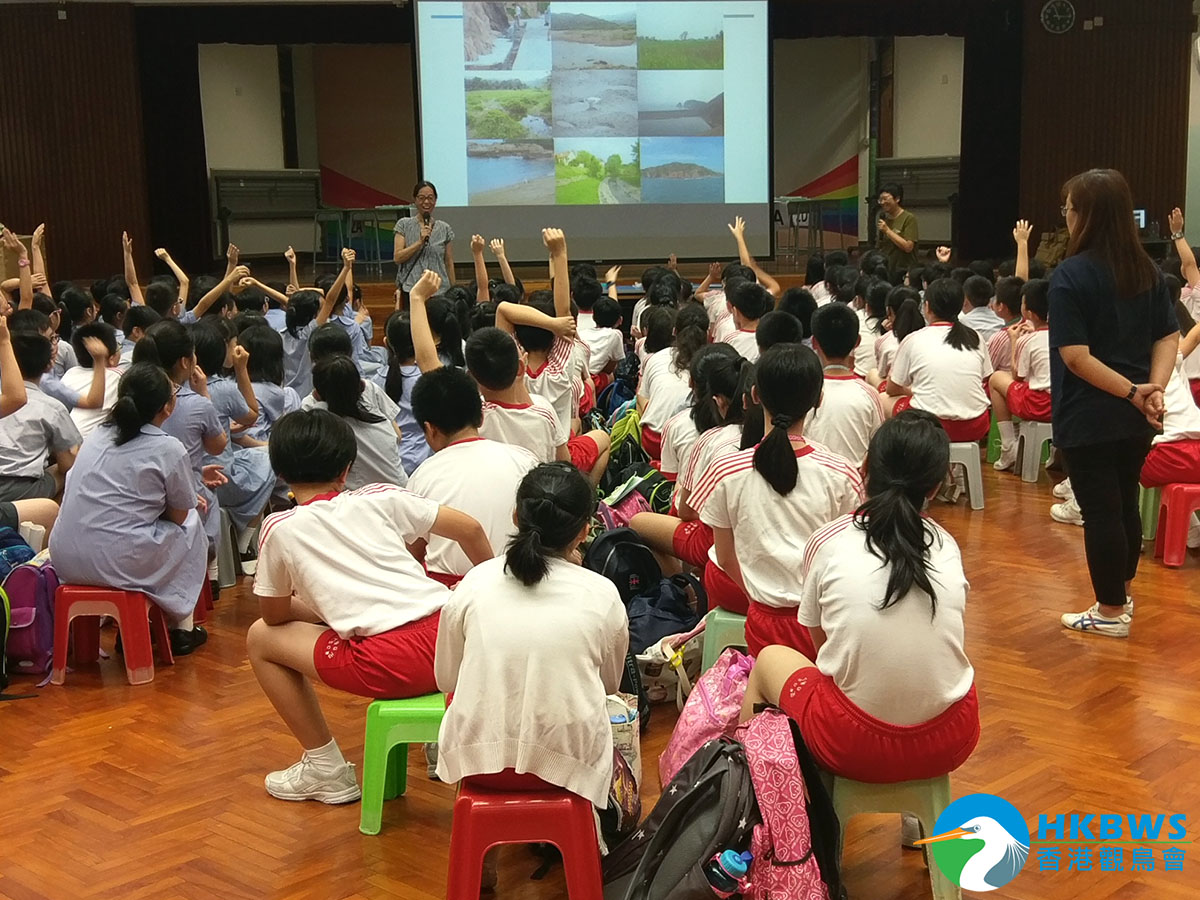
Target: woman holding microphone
(423,242)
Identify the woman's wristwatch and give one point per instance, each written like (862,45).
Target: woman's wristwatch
(1132,392)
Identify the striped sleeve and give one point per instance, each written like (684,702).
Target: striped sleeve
(712,513)
(819,538)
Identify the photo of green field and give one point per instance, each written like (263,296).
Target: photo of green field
(597,171)
(508,106)
(675,35)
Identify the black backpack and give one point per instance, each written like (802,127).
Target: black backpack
(708,807)
(623,558)
(663,609)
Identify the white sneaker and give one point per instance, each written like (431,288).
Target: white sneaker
(1091,622)
(1193,537)
(954,486)
(1063,490)
(304,781)
(1129,606)
(431,751)
(1067,512)
(1008,458)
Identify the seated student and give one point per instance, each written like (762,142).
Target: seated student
(650,277)
(111,311)
(343,601)
(466,471)
(888,343)
(889,694)
(1007,306)
(850,411)
(942,369)
(800,303)
(814,278)
(398,379)
(39,429)
(719,383)
(716,300)
(32,321)
(977,308)
(665,385)
(749,302)
(338,387)
(137,320)
(129,517)
(585,292)
(511,415)
(1025,393)
(682,430)
(872,316)
(606,344)
(763,503)
(549,351)
(264,368)
(303,317)
(530,644)
(81,378)
(777,327)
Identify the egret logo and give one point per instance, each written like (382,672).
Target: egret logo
(981,842)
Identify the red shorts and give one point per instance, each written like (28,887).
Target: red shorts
(601,381)
(961,431)
(1194,384)
(722,591)
(450,581)
(389,666)
(588,401)
(585,452)
(509,780)
(691,543)
(848,742)
(1175,463)
(766,625)
(1026,403)
(652,443)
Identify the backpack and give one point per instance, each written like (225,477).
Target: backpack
(624,559)
(14,551)
(707,808)
(657,490)
(30,589)
(631,683)
(661,610)
(627,371)
(785,862)
(615,396)
(627,427)
(4,640)
(711,711)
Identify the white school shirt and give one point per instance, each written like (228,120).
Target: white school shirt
(1033,359)
(770,530)
(712,445)
(555,381)
(666,390)
(79,380)
(944,381)
(999,350)
(532,425)
(480,478)
(983,321)
(886,346)
(605,345)
(678,437)
(530,668)
(638,309)
(1182,421)
(1191,301)
(345,556)
(895,664)
(715,304)
(722,328)
(850,413)
(41,426)
(744,341)
(820,293)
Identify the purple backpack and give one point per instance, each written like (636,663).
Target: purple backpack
(31,588)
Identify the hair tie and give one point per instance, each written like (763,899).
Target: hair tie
(781,421)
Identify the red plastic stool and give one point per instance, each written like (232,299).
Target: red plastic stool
(1175,510)
(483,819)
(135,616)
(204,604)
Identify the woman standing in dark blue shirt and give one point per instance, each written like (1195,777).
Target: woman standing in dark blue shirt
(1113,340)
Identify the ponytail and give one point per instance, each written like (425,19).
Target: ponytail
(945,299)
(907,319)
(908,457)
(443,321)
(142,393)
(789,384)
(554,503)
(337,382)
(716,371)
(399,347)
(302,308)
(691,333)
(752,416)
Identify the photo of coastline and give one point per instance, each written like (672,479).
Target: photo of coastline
(684,104)
(591,171)
(683,170)
(593,35)
(517,173)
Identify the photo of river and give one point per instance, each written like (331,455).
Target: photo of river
(503,173)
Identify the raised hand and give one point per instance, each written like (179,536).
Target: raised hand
(161,253)
(96,349)
(738,228)
(672,262)
(39,236)
(555,240)
(4,330)
(497,247)
(564,326)
(348,256)
(943,254)
(477,243)
(290,289)
(426,287)
(289,254)
(246,282)
(39,282)
(612,274)
(231,255)
(13,243)
(241,358)
(1022,231)
(714,271)
(1175,221)
(239,273)
(126,243)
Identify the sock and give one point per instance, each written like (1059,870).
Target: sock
(327,758)
(213,570)
(187,623)
(244,537)
(1007,435)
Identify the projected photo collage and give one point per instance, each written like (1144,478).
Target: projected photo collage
(574,103)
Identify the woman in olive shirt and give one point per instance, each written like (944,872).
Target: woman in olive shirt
(897,230)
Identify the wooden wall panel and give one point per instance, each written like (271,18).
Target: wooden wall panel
(1115,96)
(71,134)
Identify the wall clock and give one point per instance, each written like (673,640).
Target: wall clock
(1058,16)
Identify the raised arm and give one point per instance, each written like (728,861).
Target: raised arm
(1187,258)
(714,272)
(25,281)
(464,531)
(94,398)
(739,234)
(335,289)
(509,315)
(422,335)
(482,294)
(1021,234)
(251,281)
(497,246)
(12,384)
(135,290)
(231,257)
(241,362)
(39,255)
(180,275)
(611,277)
(219,289)
(293,278)
(556,243)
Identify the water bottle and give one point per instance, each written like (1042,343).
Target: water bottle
(725,872)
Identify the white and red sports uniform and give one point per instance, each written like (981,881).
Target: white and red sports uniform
(534,426)
(744,341)
(693,539)
(886,346)
(944,381)
(1174,457)
(555,380)
(850,413)
(678,437)
(667,390)
(1029,397)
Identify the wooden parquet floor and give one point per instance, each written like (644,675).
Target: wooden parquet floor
(108,790)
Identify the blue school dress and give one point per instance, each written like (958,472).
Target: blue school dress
(251,478)
(414,449)
(193,420)
(111,532)
(274,402)
(297,367)
(277,319)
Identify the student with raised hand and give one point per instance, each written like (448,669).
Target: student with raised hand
(88,341)
(942,368)
(338,387)
(738,229)
(850,411)
(398,381)
(749,303)
(129,512)
(763,503)
(888,695)
(302,318)
(496,245)
(12,384)
(1023,389)
(530,644)
(10,242)
(344,603)
(264,368)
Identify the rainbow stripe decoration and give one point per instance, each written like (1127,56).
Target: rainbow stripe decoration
(839,184)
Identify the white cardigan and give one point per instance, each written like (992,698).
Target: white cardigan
(530,668)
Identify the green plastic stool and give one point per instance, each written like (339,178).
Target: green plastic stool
(722,629)
(391,726)
(993,445)
(1149,500)
(923,799)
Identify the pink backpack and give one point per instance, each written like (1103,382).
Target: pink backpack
(784,863)
(711,711)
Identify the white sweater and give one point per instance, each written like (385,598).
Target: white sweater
(530,668)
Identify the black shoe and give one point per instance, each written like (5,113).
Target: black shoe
(184,642)
(214,590)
